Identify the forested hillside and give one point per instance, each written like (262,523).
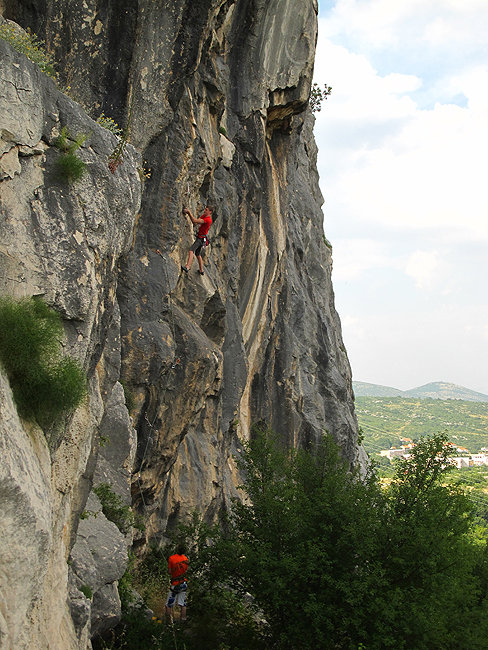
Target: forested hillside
(386,421)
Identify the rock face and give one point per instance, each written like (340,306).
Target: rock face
(63,242)
(217,94)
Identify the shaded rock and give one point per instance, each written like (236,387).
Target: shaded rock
(99,556)
(106,610)
(117,451)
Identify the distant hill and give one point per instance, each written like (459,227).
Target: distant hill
(434,390)
(363,389)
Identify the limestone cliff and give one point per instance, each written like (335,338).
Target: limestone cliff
(217,93)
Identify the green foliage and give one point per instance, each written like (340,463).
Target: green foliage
(327,242)
(474,482)
(28,44)
(65,142)
(218,618)
(68,166)
(116,510)
(317,96)
(334,561)
(138,632)
(45,385)
(331,560)
(109,124)
(116,158)
(86,591)
(130,400)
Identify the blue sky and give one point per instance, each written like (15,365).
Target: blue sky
(403,162)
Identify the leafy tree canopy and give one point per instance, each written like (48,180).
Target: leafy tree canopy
(335,561)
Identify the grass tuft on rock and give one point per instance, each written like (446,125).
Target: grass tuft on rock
(44,384)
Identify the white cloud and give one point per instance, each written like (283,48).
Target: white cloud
(354,256)
(405,167)
(380,24)
(353,327)
(426,268)
(357,91)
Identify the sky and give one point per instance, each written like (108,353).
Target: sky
(403,164)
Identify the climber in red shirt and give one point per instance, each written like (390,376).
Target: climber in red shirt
(177,567)
(201,240)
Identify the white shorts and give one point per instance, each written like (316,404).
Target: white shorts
(177,599)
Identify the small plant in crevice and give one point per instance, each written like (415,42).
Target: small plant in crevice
(45,385)
(116,511)
(88,513)
(68,166)
(130,400)
(116,158)
(327,242)
(109,124)
(28,44)
(86,591)
(144,174)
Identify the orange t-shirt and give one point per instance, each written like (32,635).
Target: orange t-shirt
(177,567)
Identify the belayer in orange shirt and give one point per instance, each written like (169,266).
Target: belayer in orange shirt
(177,567)
(201,240)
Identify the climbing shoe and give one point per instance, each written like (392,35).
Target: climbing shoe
(201,272)
(183,268)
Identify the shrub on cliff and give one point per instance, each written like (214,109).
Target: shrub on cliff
(28,44)
(44,384)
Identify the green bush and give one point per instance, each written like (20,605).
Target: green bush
(116,510)
(68,166)
(45,385)
(317,96)
(86,591)
(331,559)
(28,44)
(335,561)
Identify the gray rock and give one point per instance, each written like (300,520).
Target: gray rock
(99,556)
(61,241)
(106,610)
(118,448)
(26,525)
(256,337)
(80,606)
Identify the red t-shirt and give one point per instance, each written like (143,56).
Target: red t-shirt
(177,567)
(204,227)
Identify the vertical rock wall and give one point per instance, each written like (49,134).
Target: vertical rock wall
(63,242)
(217,93)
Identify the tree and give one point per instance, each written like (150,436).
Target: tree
(334,561)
